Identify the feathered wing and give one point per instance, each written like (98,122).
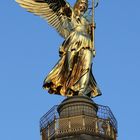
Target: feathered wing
(58,13)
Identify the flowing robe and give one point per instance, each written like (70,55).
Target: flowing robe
(72,75)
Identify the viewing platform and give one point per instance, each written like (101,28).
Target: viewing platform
(78,119)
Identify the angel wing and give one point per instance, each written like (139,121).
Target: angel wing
(58,13)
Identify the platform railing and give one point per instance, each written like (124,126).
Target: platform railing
(60,127)
(104,125)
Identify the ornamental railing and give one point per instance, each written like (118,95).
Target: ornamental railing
(104,125)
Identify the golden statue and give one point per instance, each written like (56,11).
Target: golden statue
(72,75)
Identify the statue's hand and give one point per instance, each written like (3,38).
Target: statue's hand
(93,26)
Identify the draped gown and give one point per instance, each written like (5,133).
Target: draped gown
(72,75)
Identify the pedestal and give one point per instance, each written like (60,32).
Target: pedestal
(77,118)
(76,106)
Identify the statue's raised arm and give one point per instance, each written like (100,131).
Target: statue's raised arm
(72,75)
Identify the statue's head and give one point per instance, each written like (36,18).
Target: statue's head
(81,7)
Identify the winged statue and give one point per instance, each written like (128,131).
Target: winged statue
(72,75)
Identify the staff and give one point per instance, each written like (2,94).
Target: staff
(93,24)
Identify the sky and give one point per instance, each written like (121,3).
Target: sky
(29,50)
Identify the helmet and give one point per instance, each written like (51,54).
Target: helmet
(85,1)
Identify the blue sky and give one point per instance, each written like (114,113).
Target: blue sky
(29,49)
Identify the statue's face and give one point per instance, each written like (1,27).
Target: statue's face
(82,6)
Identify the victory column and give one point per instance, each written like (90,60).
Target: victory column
(78,117)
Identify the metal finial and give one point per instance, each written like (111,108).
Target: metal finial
(96,3)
